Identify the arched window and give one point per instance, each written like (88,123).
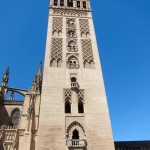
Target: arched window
(75,134)
(55,33)
(80,107)
(83,35)
(73,79)
(61,2)
(67,107)
(15,117)
(53,63)
(86,64)
(78,4)
(55,2)
(84,4)
(70,3)
(72,47)
(73,62)
(91,64)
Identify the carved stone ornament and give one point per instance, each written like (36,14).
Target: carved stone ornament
(63,12)
(21,132)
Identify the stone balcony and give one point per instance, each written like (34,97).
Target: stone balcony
(72,49)
(76,143)
(74,85)
(73,66)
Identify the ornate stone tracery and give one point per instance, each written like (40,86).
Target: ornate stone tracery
(81,95)
(88,58)
(67,95)
(56,52)
(63,12)
(84,28)
(57,26)
(75,125)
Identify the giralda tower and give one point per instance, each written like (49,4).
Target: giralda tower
(73,113)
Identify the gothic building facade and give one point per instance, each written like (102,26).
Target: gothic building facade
(66,107)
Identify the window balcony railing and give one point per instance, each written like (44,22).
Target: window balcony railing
(72,49)
(73,66)
(72,35)
(74,85)
(76,143)
(71,26)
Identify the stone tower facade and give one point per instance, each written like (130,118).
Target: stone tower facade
(73,112)
(66,108)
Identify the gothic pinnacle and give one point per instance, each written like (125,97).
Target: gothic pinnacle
(5,77)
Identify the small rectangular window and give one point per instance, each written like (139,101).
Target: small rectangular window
(70,3)
(61,2)
(55,2)
(84,4)
(78,4)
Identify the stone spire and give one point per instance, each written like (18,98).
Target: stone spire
(40,70)
(37,81)
(5,77)
(3,88)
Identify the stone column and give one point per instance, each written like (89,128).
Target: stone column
(74,4)
(87,5)
(58,4)
(65,3)
(51,2)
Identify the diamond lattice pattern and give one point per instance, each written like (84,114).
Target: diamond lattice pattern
(87,50)
(56,52)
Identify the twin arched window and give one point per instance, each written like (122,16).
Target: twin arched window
(68,107)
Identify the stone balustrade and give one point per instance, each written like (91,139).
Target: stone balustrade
(76,143)
(72,49)
(73,66)
(74,85)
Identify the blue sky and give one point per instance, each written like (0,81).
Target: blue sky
(123,36)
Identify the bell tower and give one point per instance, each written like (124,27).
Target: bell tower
(73,113)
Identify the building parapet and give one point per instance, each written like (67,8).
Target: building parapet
(8,102)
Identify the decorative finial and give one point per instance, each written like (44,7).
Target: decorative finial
(40,70)
(37,82)
(5,77)
(11,96)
